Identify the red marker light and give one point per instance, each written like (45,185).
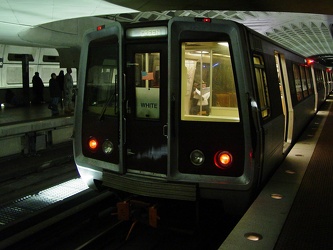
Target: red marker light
(203,19)
(223,159)
(100,27)
(93,143)
(309,61)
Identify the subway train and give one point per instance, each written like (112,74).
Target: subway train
(190,108)
(42,60)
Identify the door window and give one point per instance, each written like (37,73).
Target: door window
(147,85)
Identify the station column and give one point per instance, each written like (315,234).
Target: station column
(25,79)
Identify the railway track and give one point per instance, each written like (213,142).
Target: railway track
(92,220)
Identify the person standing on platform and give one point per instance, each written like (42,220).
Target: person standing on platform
(54,94)
(61,79)
(38,89)
(68,91)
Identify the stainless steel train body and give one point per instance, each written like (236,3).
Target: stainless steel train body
(188,108)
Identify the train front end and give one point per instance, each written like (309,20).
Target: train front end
(164,110)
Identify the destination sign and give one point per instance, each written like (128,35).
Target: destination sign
(157,31)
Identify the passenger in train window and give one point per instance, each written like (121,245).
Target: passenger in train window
(199,99)
(61,80)
(54,94)
(68,91)
(38,89)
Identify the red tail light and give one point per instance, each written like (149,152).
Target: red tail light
(93,144)
(223,159)
(309,61)
(100,27)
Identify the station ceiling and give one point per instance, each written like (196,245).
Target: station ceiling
(308,34)
(304,26)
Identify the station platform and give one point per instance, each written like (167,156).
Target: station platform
(295,209)
(28,129)
(24,114)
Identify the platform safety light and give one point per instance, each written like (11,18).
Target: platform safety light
(223,159)
(93,143)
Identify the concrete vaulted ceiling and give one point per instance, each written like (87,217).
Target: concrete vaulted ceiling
(304,26)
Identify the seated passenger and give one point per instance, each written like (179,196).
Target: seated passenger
(200,100)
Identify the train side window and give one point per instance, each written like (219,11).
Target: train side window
(319,79)
(208,85)
(47,58)
(309,80)
(298,83)
(19,57)
(304,84)
(262,85)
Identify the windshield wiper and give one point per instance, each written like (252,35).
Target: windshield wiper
(106,104)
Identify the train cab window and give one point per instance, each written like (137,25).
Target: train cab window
(147,83)
(208,85)
(101,85)
(262,85)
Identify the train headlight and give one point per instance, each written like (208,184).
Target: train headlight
(93,143)
(223,159)
(107,147)
(197,157)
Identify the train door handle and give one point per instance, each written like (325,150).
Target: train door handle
(165,130)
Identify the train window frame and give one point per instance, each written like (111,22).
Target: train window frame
(206,87)
(262,85)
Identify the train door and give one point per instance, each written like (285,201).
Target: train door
(146,108)
(285,96)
